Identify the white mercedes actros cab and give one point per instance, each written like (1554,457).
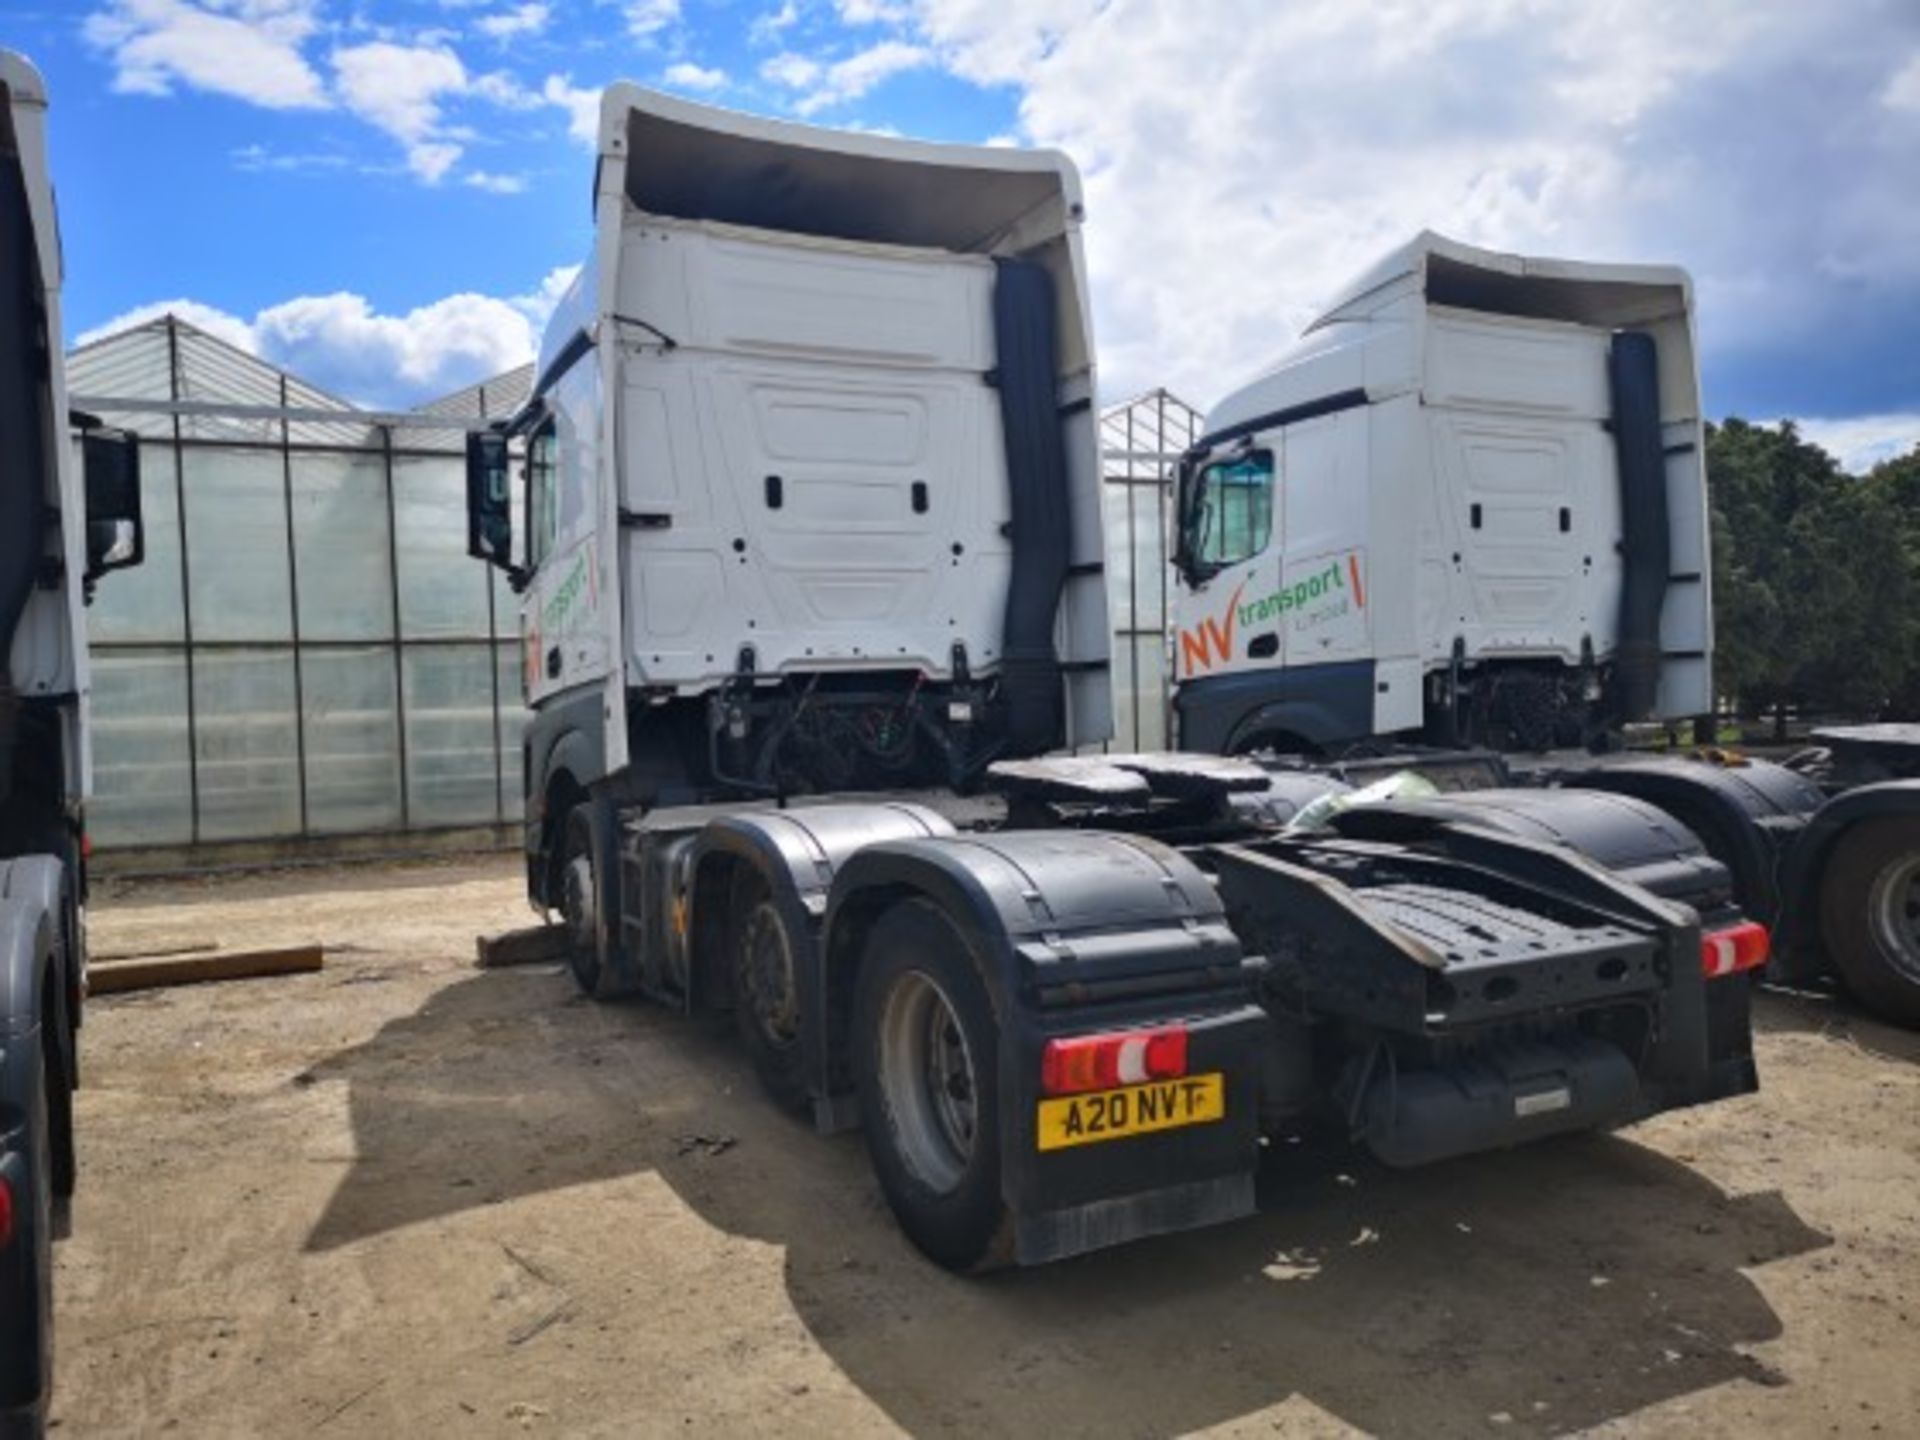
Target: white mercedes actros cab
(1469,506)
(812,497)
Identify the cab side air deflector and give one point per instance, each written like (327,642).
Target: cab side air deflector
(1645,544)
(1027,371)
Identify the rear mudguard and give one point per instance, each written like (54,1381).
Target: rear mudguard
(31,891)
(1075,931)
(1796,939)
(1747,813)
(1633,838)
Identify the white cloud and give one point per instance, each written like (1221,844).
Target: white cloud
(871,12)
(248,49)
(1862,441)
(252,50)
(216,322)
(341,343)
(521,20)
(828,83)
(400,88)
(793,71)
(497,87)
(1903,90)
(257,158)
(495,184)
(582,107)
(768,25)
(1242,158)
(647,18)
(688,76)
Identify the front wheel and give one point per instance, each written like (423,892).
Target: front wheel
(1870,909)
(926,1055)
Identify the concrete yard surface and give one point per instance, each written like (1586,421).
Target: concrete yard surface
(406,1196)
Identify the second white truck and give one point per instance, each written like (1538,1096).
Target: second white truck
(1470,506)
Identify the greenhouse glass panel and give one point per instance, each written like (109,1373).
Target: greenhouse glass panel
(513,725)
(142,768)
(443,590)
(237,544)
(246,743)
(452,773)
(1149,559)
(349,703)
(146,603)
(1120,569)
(343,559)
(1150,684)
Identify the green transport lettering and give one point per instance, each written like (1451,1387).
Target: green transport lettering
(1291,597)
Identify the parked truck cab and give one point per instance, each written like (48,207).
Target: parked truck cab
(1469,506)
(811,486)
(69,512)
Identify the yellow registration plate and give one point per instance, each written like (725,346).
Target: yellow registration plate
(1132,1110)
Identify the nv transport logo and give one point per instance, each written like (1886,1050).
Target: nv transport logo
(1331,589)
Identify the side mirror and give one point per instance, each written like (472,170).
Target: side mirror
(116,536)
(1183,499)
(490,502)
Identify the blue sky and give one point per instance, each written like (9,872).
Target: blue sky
(383,194)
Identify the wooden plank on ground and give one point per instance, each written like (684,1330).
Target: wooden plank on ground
(520,947)
(148,974)
(154,952)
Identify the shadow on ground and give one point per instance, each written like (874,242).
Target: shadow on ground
(1538,1291)
(1835,1015)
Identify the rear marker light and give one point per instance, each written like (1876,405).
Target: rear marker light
(1102,1062)
(6,1213)
(1730,951)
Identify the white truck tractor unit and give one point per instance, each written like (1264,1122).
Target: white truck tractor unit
(801,502)
(69,512)
(1469,506)
(810,558)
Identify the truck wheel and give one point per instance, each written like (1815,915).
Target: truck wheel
(925,1058)
(581,878)
(1870,913)
(765,976)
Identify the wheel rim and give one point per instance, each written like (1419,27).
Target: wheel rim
(766,965)
(927,1079)
(1893,909)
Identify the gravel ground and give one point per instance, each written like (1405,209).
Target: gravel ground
(407,1196)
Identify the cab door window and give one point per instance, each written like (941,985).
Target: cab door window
(1231,518)
(543,494)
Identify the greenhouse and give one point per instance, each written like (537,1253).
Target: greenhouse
(308,653)
(307,650)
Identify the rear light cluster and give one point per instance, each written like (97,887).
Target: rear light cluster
(1124,1057)
(1730,951)
(6,1212)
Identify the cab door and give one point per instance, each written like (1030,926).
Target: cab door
(564,634)
(1231,542)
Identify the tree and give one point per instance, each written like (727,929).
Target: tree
(1816,575)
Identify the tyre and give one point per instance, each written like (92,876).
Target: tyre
(925,1059)
(580,880)
(1870,915)
(764,974)
(26,1288)
(56,1040)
